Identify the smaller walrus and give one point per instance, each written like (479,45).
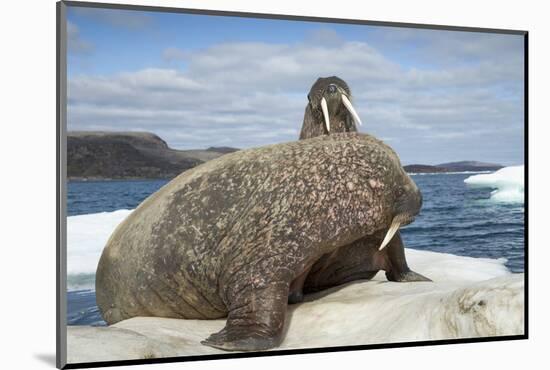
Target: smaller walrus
(329,109)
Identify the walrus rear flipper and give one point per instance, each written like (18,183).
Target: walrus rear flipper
(257,312)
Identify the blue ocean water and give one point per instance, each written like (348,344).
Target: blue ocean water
(455,219)
(458,219)
(84,197)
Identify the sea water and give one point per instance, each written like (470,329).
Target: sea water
(462,214)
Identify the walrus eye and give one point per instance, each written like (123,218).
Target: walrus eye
(308,98)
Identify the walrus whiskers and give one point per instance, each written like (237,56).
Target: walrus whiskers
(324,107)
(348,105)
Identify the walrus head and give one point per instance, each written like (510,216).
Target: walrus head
(329,109)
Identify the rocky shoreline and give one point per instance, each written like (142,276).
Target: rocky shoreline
(105,156)
(462,166)
(98,155)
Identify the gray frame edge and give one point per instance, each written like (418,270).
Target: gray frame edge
(290,17)
(61,187)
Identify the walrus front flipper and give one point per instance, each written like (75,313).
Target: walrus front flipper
(355,261)
(296,290)
(397,269)
(296,296)
(255,321)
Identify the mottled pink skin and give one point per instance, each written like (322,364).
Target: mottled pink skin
(230,236)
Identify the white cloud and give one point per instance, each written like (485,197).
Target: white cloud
(251,93)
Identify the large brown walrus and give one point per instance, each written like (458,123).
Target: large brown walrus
(237,235)
(330,111)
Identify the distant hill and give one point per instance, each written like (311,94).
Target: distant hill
(124,155)
(221,149)
(462,166)
(138,155)
(423,168)
(470,166)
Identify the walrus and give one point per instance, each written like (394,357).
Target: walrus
(232,236)
(329,110)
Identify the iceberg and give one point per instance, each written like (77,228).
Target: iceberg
(507,184)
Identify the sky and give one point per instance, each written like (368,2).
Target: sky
(199,81)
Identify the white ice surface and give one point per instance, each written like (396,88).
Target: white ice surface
(86,237)
(365,312)
(469,297)
(507,184)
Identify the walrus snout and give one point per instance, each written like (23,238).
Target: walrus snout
(331,98)
(336,101)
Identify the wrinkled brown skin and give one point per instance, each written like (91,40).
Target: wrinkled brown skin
(361,259)
(229,237)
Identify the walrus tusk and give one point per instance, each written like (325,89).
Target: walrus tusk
(348,105)
(325,113)
(391,232)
